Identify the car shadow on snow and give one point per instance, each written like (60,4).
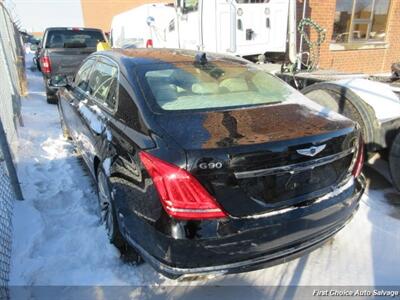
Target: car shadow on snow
(384,216)
(152,292)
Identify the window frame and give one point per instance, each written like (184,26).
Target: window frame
(76,86)
(369,22)
(92,97)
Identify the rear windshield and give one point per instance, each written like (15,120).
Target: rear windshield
(73,38)
(187,86)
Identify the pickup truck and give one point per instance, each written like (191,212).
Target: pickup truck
(62,50)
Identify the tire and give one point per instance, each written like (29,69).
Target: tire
(348,104)
(108,217)
(51,99)
(394,162)
(51,96)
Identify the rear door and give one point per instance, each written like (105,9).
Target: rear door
(70,99)
(100,103)
(67,48)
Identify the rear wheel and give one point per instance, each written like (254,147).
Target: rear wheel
(394,162)
(108,217)
(52,99)
(51,96)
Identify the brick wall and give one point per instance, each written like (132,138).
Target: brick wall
(366,61)
(99,13)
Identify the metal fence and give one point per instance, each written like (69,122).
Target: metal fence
(12,86)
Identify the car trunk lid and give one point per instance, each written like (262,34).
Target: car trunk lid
(256,160)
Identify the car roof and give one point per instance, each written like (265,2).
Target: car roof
(72,27)
(142,56)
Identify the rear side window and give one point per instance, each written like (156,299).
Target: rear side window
(82,77)
(73,38)
(103,83)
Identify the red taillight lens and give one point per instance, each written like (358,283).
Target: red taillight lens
(46,65)
(149,43)
(360,159)
(182,196)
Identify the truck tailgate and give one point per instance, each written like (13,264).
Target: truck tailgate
(67,61)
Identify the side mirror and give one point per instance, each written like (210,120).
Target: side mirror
(59,81)
(33,47)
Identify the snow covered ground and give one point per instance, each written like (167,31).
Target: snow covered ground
(58,240)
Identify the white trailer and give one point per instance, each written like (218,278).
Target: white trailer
(237,27)
(139,26)
(250,28)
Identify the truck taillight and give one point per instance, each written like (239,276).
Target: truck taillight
(46,65)
(182,195)
(149,43)
(358,165)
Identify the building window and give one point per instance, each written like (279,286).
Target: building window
(360,21)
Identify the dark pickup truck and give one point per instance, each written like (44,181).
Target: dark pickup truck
(62,50)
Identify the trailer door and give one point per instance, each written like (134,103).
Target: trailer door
(261,26)
(225,42)
(188,24)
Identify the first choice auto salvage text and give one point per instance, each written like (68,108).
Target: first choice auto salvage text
(356,292)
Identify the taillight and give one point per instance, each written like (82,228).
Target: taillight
(149,43)
(358,165)
(46,65)
(182,195)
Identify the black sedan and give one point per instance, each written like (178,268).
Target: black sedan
(206,164)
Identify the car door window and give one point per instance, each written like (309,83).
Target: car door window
(82,77)
(103,83)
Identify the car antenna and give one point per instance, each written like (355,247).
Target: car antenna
(201,58)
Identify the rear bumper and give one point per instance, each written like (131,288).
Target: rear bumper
(255,243)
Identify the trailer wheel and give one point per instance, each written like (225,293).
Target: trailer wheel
(394,162)
(344,101)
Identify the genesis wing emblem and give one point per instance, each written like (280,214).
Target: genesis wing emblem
(311,151)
